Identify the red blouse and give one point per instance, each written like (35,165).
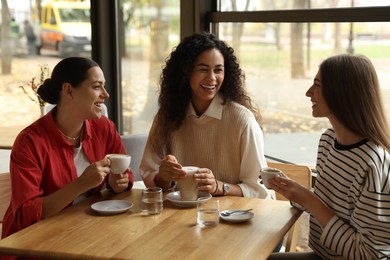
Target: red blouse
(42,163)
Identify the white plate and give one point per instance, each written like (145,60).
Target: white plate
(237,217)
(109,207)
(175,198)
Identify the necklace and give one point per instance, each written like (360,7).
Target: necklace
(71,138)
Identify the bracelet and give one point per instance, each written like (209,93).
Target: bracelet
(216,189)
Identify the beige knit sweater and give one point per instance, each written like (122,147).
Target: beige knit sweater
(225,139)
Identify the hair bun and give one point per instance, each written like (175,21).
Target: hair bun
(48,92)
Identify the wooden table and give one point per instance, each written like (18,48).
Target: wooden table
(8,135)
(80,233)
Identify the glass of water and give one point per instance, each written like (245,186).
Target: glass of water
(208,212)
(152,201)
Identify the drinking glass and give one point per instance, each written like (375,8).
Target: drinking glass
(208,212)
(152,201)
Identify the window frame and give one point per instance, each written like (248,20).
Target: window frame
(353,14)
(196,16)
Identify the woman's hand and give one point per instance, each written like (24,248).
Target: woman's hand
(304,197)
(290,189)
(206,180)
(119,182)
(170,169)
(94,174)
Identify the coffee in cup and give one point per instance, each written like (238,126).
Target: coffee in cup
(119,162)
(187,186)
(269,173)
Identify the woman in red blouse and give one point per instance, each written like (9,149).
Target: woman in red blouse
(61,158)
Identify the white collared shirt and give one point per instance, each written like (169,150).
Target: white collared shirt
(226,139)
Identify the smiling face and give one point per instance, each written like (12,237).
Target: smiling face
(319,105)
(206,79)
(90,95)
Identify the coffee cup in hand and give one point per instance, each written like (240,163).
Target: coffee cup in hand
(268,173)
(187,186)
(119,162)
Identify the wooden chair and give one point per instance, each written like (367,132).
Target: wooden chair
(5,195)
(302,175)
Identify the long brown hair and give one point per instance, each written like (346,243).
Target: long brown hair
(351,90)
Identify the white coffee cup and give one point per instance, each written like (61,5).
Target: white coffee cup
(119,162)
(269,173)
(187,186)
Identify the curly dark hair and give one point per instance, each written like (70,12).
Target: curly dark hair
(175,90)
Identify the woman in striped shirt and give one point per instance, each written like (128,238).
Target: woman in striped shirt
(350,205)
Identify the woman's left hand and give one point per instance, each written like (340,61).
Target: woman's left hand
(289,188)
(206,180)
(119,182)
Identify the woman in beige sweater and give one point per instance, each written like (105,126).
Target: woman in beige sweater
(205,119)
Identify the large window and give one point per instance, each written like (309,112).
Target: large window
(63,30)
(281,58)
(278,85)
(279,43)
(151,31)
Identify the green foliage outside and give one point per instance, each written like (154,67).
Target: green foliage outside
(267,56)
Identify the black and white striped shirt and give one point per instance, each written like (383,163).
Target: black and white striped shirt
(354,181)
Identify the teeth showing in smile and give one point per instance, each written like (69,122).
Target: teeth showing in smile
(208,87)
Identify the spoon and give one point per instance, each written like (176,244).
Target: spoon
(229,212)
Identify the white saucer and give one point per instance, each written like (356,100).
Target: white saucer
(175,198)
(237,217)
(109,207)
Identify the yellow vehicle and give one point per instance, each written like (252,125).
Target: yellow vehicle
(66,27)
